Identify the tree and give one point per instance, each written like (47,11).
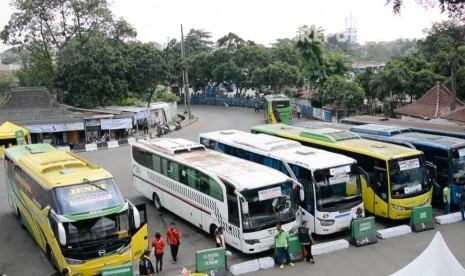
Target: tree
(365,80)
(278,74)
(311,48)
(447,37)
(46,27)
(197,41)
(454,8)
(230,42)
(342,92)
(97,76)
(146,69)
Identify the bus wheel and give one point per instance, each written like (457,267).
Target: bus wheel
(213,231)
(156,202)
(20,220)
(52,258)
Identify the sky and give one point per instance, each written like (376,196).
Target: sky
(264,21)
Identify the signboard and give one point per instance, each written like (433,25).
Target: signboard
(123,123)
(210,259)
(269,193)
(121,270)
(340,170)
(339,179)
(20,138)
(409,164)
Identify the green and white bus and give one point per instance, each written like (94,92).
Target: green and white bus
(278,109)
(333,195)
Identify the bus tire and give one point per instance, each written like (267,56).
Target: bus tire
(52,258)
(157,202)
(20,220)
(213,231)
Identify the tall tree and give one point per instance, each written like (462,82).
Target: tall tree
(231,42)
(342,93)
(310,44)
(198,41)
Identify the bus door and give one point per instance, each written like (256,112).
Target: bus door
(379,183)
(139,233)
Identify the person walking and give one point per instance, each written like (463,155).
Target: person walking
(221,243)
(256,107)
(446,198)
(145,265)
(282,246)
(462,203)
(173,235)
(158,244)
(306,239)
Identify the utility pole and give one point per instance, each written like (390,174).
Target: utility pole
(184,74)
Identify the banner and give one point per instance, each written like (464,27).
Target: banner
(123,123)
(45,128)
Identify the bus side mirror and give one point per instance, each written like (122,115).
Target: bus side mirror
(302,194)
(245,207)
(136,216)
(61,233)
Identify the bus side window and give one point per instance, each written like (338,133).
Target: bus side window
(233,209)
(204,186)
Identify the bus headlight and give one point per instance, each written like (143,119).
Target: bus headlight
(326,222)
(397,207)
(252,242)
(425,201)
(74,261)
(123,249)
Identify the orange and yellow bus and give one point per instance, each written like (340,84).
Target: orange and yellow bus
(73,209)
(396,178)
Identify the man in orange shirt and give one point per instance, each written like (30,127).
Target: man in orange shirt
(174,239)
(158,244)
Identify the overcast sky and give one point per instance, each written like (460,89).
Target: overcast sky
(264,21)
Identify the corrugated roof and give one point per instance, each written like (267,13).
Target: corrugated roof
(35,105)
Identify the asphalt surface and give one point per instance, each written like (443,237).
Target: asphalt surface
(19,254)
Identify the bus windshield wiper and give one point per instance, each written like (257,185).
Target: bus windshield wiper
(93,184)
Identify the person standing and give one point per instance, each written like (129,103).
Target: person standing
(221,243)
(158,244)
(446,198)
(145,265)
(298,111)
(256,107)
(462,203)
(282,246)
(306,239)
(173,235)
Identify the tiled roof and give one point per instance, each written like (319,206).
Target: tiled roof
(457,115)
(35,105)
(434,104)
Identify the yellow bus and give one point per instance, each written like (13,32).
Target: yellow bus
(396,178)
(73,209)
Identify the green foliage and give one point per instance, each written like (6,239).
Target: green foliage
(36,71)
(95,77)
(342,93)
(311,48)
(164,95)
(278,74)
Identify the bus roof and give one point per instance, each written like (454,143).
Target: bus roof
(340,139)
(404,134)
(278,97)
(53,167)
(241,173)
(279,148)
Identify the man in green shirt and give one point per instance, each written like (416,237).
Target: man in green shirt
(282,246)
(446,198)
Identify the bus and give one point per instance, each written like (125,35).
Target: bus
(331,181)
(278,109)
(446,153)
(211,189)
(415,126)
(73,209)
(381,164)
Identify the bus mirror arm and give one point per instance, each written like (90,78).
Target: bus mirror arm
(61,233)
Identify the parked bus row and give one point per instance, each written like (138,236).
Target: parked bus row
(445,152)
(396,178)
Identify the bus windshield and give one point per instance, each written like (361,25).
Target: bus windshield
(86,238)
(336,187)
(280,104)
(261,202)
(458,165)
(408,178)
(87,197)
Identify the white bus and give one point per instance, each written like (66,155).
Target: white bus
(331,181)
(211,189)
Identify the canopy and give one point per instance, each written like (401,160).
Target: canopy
(436,259)
(8,130)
